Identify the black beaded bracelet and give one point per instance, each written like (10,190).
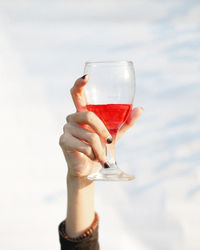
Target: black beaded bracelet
(86,234)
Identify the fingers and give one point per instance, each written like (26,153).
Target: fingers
(78,94)
(70,143)
(86,140)
(93,121)
(89,137)
(132,118)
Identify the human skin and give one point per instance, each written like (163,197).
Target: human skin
(83,143)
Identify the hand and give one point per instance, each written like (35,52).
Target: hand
(85,135)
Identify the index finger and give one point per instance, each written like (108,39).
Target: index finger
(78,93)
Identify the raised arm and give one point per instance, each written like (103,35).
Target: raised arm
(83,143)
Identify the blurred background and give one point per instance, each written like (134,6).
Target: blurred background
(43,47)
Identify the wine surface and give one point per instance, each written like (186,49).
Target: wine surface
(112,115)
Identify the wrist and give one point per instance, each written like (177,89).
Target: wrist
(76,237)
(74,182)
(80,205)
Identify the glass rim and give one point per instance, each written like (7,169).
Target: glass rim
(109,62)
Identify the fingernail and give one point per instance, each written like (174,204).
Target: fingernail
(83,77)
(106,165)
(109,140)
(142,108)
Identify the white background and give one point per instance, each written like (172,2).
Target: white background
(43,47)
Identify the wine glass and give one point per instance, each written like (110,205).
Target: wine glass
(109,94)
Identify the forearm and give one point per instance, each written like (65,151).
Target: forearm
(80,205)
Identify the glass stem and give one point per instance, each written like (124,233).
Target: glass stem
(110,154)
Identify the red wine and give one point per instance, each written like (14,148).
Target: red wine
(112,115)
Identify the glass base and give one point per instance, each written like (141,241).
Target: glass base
(110,174)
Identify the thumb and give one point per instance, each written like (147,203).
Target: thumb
(132,118)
